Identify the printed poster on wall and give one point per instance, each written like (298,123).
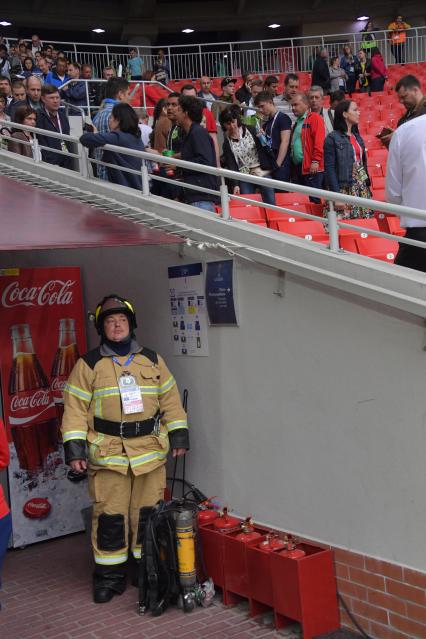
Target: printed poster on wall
(41,336)
(220,293)
(188,310)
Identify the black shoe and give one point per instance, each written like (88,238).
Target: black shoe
(107,582)
(103,595)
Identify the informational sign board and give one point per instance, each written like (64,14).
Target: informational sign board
(220,293)
(41,336)
(188,310)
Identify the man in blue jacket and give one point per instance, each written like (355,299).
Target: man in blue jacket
(51,118)
(58,76)
(75,92)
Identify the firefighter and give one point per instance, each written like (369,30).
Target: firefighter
(122,413)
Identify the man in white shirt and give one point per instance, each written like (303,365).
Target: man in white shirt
(206,94)
(406,185)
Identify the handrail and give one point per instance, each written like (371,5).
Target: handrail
(217,59)
(332,197)
(156,48)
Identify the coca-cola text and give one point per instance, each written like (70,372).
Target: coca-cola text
(52,292)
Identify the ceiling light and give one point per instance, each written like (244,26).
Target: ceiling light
(4,23)
(187,30)
(225,55)
(98,30)
(362,18)
(274,26)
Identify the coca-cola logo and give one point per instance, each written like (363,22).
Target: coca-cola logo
(51,293)
(39,399)
(58,384)
(37,508)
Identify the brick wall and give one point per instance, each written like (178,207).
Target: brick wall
(387,600)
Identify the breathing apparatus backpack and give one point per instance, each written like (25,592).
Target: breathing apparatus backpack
(169,544)
(171,554)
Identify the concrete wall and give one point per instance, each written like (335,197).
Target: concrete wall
(310,415)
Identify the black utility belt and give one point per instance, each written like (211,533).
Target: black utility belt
(126,430)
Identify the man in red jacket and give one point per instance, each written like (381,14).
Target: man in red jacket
(5,519)
(307,145)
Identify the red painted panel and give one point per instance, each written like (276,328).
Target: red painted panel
(31,218)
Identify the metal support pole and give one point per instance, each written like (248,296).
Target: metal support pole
(169,57)
(262,61)
(200,55)
(36,150)
(145,178)
(224,199)
(89,111)
(333,228)
(83,162)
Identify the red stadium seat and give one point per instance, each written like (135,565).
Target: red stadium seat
(250,196)
(371,142)
(348,244)
(285,199)
(378,247)
(379,195)
(313,231)
(378,182)
(394,227)
(273,217)
(254,214)
(366,223)
(375,170)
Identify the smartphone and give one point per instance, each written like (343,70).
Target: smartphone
(385,131)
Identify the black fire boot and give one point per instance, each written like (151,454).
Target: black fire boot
(107,582)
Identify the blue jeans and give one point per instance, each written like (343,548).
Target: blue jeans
(206,205)
(5,532)
(268,194)
(282,173)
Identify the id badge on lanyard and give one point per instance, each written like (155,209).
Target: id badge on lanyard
(130,393)
(64,147)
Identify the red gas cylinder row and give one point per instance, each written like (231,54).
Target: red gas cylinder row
(225,523)
(295,580)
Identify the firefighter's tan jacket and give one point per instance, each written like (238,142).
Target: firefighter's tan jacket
(94,391)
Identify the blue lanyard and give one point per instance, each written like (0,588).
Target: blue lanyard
(127,362)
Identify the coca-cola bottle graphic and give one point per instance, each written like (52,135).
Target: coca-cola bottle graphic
(65,358)
(32,418)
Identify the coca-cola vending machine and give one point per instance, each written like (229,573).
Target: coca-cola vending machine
(41,336)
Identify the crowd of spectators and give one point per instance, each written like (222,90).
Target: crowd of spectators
(288,136)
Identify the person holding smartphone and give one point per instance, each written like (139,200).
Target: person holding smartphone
(410,94)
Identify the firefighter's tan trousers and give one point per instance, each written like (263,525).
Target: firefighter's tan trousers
(117,501)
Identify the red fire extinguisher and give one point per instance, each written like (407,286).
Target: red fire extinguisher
(248,532)
(273,543)
(207,513)
(226,523)
(292,552)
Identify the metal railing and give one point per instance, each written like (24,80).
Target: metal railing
(276,55)
(331,222)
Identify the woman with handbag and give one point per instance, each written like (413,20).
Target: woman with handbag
(243,152)
(345,160)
